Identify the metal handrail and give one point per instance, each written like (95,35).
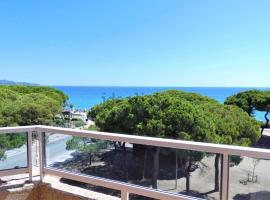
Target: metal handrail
(161,142)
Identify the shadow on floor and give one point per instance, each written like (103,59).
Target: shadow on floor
(262,195)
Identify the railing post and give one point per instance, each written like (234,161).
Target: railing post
(224,176)
(41,159)
(29,155)
(124,195)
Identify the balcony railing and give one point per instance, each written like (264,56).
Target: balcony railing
(225,151)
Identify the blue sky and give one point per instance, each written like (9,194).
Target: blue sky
(136,42)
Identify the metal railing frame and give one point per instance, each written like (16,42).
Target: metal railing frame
(29,168)
(126,188)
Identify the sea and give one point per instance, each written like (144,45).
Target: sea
(85,97)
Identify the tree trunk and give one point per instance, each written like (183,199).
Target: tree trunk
(188,175)
(176,169)
(90,159)
(125,160)
(267,122)
(216,189)
(144,163)
(156,168)
(115,147)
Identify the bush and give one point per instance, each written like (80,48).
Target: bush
(79,123)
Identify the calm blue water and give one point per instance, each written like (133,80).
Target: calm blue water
(86,97)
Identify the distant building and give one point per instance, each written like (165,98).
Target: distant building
(75,114)
(79,115)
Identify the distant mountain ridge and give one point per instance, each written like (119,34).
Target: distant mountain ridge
(7,82)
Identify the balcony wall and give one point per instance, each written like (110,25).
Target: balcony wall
(48,191)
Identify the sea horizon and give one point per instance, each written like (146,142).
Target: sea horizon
(85,97)
(126,86)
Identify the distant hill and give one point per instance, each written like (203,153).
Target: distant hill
(7,82)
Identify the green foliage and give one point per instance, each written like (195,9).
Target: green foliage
(262,101)
(178,115)
(26,105)
(251,100)
(93,128)
(59,122)
(29,105)
(98,108)
(235,160)
(79,123)
(233,125)
(2,154)
(86,145)
(10,141)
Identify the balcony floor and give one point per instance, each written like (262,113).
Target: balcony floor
(16,187)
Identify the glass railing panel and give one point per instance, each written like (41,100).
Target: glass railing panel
(13,151)
(178,171)
(249,178)
(56,151)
